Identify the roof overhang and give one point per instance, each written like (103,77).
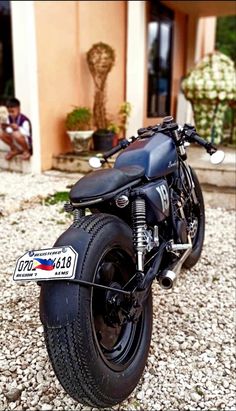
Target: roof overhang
(203,8)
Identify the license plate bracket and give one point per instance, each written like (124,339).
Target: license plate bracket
(57,263)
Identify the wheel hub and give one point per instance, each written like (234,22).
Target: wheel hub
(113,301)
(121,309)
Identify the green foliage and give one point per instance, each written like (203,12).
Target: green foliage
(226,43)
(59,197)
(113,127)
(199,390)
(79,119)
(123,116)
(226,36)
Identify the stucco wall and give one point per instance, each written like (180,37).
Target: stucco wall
(65,30)
(102,21)
(179,57)
(56,33)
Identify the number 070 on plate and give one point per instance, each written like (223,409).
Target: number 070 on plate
(58,263)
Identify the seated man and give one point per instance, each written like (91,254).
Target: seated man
(17,131)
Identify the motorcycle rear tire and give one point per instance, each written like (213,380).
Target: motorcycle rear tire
(198,239)
(99,365)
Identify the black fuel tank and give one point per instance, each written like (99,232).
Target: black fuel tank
(156,154)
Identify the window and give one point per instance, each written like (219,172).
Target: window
(6,63)
(160,24)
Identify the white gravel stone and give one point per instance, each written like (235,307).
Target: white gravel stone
(192,350)
(12,405)
(226,384)
(141,395)
(195,397)
(40,377)
(46,407)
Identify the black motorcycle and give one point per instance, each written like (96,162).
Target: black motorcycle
(137,222)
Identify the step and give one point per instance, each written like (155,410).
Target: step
(16,164)
(75,163)
(222,175)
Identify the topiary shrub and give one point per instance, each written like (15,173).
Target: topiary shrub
(211,87)
(101,59)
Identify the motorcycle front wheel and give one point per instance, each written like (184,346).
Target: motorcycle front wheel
(196,217)
(99,358)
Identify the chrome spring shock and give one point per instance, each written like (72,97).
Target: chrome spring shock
(139,228)
(78,213)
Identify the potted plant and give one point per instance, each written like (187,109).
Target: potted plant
(119,128)
(78,125)
(101,59)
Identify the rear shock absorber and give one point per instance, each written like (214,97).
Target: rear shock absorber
(77,212)
(139,230)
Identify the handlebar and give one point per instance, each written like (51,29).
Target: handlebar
(169,127)
(191,135)
(111,152)
(121,146)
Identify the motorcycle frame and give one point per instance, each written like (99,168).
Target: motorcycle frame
(144,280)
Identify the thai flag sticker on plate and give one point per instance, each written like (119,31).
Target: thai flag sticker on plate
(58,263)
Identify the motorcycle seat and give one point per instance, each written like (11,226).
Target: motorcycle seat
(98,183)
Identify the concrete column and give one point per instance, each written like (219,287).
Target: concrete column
(201,38)
(26,70)
(192,41)
(209,33)
(135,66)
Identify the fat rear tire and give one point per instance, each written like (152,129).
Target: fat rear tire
(89,373)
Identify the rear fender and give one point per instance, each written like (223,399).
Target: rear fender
(59,299)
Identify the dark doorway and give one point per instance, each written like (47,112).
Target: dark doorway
(6,60)
(160,26)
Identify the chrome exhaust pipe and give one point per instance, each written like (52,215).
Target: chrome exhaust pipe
(166,279)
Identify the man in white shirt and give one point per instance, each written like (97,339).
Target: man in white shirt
(17,132)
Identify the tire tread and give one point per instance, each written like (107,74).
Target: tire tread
(65,346)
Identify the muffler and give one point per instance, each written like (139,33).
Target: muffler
(166,279)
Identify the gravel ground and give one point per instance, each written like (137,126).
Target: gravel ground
(191,365)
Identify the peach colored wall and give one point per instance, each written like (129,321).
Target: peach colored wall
(102,21)
(203,8)
(65,31)
(56,34)
(179,57)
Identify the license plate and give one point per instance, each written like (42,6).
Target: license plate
(58,263)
